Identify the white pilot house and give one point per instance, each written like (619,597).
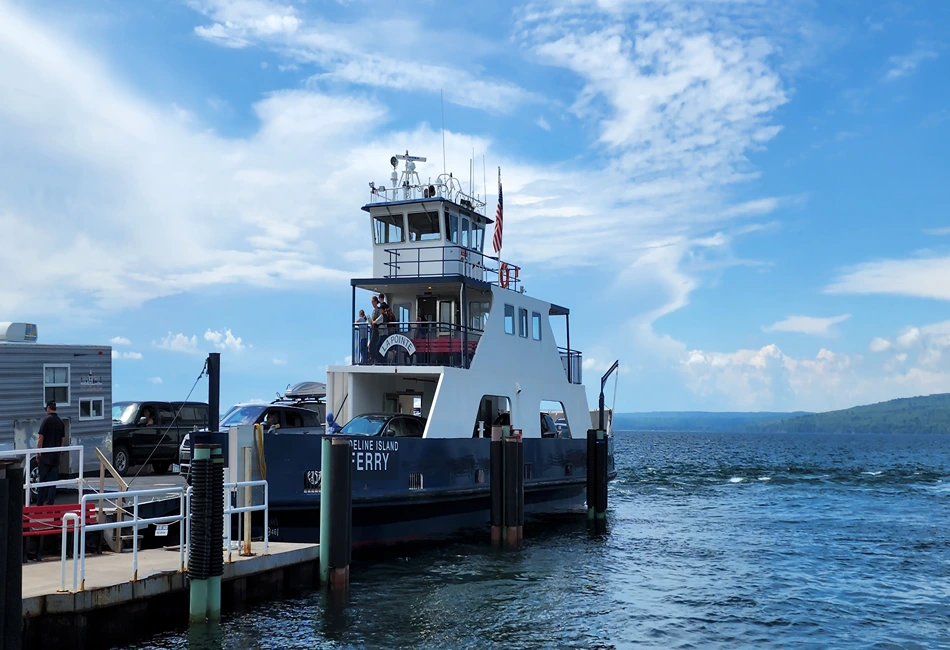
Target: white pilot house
(466,347)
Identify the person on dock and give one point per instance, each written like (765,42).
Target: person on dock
(51,434)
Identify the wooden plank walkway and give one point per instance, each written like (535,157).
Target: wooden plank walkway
(108,576)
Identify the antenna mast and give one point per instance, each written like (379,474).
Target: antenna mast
(442,107)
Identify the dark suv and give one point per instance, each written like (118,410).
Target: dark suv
(150,432)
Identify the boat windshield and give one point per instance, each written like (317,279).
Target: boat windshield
(241,415)
(365,425)
(123,412)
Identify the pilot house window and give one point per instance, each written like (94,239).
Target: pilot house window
(424,226)
(536,326)
(452,227)
(509,319)
(388,229)
(523,323)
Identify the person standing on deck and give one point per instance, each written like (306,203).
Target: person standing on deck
(374,332)
(362,334)
(51,434)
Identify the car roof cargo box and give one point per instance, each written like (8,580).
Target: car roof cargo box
(306,390)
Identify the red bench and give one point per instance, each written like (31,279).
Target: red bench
(39,521)
(443,345)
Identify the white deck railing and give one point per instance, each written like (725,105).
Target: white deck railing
(230,488)
(76,524)
(135,524)
(28,454)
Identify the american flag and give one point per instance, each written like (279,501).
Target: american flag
(498,218)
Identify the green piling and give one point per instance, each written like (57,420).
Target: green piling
(198,606)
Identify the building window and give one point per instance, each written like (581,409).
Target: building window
(509,319)
(388,229)
(523,323)
(91,408)
(424,226)
(536,326)
(56,384)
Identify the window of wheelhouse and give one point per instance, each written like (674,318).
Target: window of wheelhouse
(523,323)
(464,240)
(536,326)
(388,229)
(424,226)
(509,319)
(478,314)
(451,227)
(478,235)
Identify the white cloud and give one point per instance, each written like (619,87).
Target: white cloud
(543,123)
(880,345)
(351,52)
(924,277)
(126,355)
(120,340)
(224,340)
(808,325)
(178,343)
(280,362)
(155,380)
(903,65)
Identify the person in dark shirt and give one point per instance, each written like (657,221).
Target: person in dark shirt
(51,434)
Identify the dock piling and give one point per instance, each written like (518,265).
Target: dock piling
(514,488)
(497,486)
(596,476)
(11,554)
(336,512)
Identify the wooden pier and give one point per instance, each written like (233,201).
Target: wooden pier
(113,609)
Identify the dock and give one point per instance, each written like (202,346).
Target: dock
(113,609)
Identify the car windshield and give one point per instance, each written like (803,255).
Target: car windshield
(242,415)
(123,412)
(365,425)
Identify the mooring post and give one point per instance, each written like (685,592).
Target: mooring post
(200,546)
(217,534)
(326,470)
(601,513)
(336,511)
(591,474)
(496,470)
(11,554)
(341,513)
(514,486)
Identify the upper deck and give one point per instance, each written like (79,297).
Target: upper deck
(429,230)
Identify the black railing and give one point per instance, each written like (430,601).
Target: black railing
(414,344)
(439,261)
(573,363)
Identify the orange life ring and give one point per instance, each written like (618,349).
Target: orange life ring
(504,275)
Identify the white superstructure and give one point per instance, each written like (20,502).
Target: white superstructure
(467,344)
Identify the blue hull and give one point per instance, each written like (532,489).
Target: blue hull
(454,500)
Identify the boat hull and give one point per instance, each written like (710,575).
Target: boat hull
(454,500)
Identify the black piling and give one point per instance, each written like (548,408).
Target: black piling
(205,559)
(497,486)
(514,489)
(596,475)
(336,512)
(214,390)
(11,559)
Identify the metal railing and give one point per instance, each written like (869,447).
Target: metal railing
(135,524)
(29,484)
(452,259)
(229,511)
(573,363)
(416,343)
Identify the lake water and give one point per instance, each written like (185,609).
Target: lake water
(714,541)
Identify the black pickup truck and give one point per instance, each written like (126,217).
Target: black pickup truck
(151,432)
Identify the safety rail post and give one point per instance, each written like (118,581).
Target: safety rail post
(76,519)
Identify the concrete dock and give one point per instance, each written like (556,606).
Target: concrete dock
(112,609)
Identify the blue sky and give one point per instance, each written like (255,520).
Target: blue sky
(746,202)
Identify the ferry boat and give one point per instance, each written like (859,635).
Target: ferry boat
(467,349)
